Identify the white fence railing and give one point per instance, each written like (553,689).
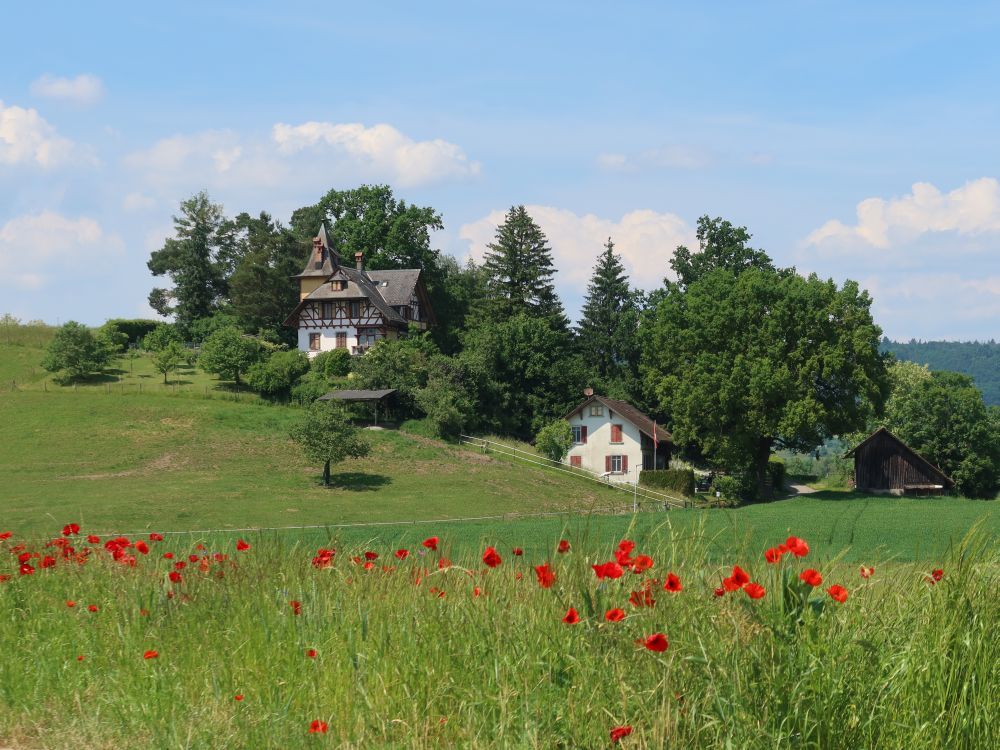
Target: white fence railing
(648,496)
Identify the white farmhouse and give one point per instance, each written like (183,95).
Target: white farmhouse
(613,437)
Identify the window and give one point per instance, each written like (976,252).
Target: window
(314,342)
(576,462)
(341,339)
(616,464)
(616,433)
(338,285)
(355,310)
(579,434)
(596,410)
(327,310)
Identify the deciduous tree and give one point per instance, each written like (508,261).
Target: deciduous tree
(75,352)
(327,436)
(229,353)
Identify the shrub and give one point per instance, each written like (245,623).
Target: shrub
(278,374)
(75,352)
(335,363)
(729,487)
(135,330)
(554,440)
(676,480)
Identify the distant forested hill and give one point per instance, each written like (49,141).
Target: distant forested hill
(980,360)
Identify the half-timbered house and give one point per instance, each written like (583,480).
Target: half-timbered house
(348,307)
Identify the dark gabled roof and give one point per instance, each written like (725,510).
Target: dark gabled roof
(629,412)
(357,395)
(396,286)
(916,456)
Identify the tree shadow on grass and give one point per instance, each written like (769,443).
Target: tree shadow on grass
(357,481)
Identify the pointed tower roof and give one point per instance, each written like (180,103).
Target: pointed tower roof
(323,259)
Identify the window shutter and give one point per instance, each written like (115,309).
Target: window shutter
(624,464)
(583,434)
(607,463)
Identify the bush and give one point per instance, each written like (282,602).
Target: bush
(335,363)
(134,330)
(729,487)
(278,374)
(554,440)
(776,470)
(674,480)
(75,352)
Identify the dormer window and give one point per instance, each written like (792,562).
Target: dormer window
(338,285)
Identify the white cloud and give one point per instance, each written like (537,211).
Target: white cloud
(645,239)
(385,149)
(36,247)
(971,209)
(665,157)
(136,201)
(26,138)
(82,89)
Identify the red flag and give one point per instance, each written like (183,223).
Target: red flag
(656,442)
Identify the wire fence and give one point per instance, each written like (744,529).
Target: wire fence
(640,495)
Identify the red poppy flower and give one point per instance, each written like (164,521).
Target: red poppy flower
(641,599)
(491,557)
(563,547)
(174,576)
(838,593)
(241,546)
(48,561)
(311,653)
(317,727)
(546,576)
(866,572)
(626,546)
(142,547)
(444,563)
(151,655)
(796,546)
(812,577)
(93,539)
(92,608)
(608,570)
(719,591)
(180,565)
(71,529)
(193,558)
(656,642)
(6,535)
(431,542)
(673,583)
(168,555)
(369,565)
(623,557)
(199,546)
(70,603)
(614,615)
(371,555)
(755,590)
(154,537)
(571,617)
(737,580)
(402,554)
(25,556)
(324,558)
(642,563)
(518,552)
(237,697)
(772,555)
(476,592)
(518,576)
(80,657)
(617,733)
(296,607)
(937,575)
(25,569)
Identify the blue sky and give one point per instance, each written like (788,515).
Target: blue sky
(854,141)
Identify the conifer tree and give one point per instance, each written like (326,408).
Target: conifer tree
(608,329)
(519,270)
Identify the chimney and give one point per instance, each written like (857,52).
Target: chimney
(588,392)
(359,261)
(318,252)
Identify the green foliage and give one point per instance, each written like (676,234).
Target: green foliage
(519,272)
(554,440)
(402,364)
(980,360)
(672,480)
(115,341)
(75,353)
(730,488)
(199,330)
(160,337)
(191,259)
(229,353)
(776,472)
(327,436)
(169,358)
(745,362)
(720,246)
(134,329)
(445,399)
(333,363)
(278,374)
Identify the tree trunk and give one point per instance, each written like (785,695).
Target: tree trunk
(165,377)
(326,474)
(761,457)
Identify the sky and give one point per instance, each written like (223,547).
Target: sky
(855,140)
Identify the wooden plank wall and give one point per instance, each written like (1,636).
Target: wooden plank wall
(884,465)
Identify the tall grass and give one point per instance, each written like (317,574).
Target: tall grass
(409,656)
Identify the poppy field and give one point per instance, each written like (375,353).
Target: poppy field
(635,641)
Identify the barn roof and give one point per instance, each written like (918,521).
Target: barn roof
(906,449)
(629,412)
(359,395)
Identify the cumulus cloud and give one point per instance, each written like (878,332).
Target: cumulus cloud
(645,239)
(37,247)
(82,89)
(971,209)
(26,138)
(384,148)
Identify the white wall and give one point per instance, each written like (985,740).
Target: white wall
(327,339)
(599,445)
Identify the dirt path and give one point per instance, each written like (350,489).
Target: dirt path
(800,489)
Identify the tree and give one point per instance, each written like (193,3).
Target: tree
(169,358)
(608,333)
(445,400)
(749,360)
(160,337)
(402,364)
(229,353)
(519,272)
(721,245)
(191,260)
(75,353)
(278,374)
(327,436)
(941,415)
(554,440)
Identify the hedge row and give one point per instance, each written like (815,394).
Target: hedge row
(676,480)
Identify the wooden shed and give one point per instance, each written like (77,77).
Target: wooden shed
(884,463)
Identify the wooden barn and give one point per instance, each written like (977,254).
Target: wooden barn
(884,463)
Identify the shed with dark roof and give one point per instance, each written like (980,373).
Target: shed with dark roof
(885,464)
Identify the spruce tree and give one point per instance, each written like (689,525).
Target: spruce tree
(519,270)
(608,329)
